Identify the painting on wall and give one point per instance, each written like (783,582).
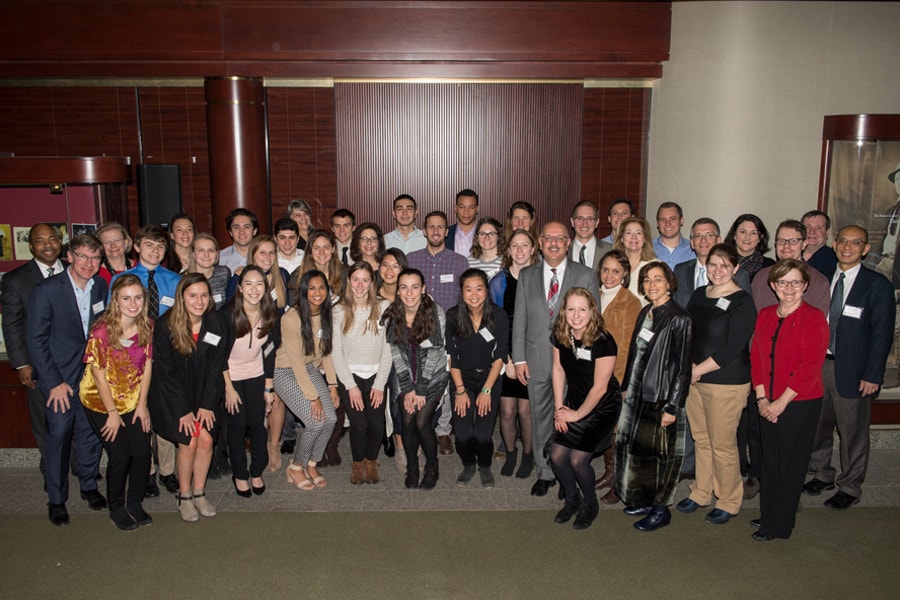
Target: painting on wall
(20,235)
(6,242)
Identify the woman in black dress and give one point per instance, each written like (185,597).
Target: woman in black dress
(584,356)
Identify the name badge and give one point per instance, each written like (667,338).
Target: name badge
(268,349)
(211,339)
(319,333)
(425,344)
(447,278)
(854,312)
(217,298)
(126,343)
(274,294)
(97,307)
(486,335)
(584,353)
(723,303)
(645,334)
(167,301)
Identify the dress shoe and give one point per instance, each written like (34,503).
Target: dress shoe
(58,514)
(170,482)
(659,517)
(636,511)
(841,501)
(755,522)
(466,475)
(242,493)
(542,486)
(95,499)
(610,497)
(761,537)
(587,514)
(445,444)
(815,487)
(287,447)
(257,490)
(604,481)
(152,490)
(717,516)
(139,515)
(122,519)
(487,478)
(560,493)
(389,447)
(687,506)
(569,509)
(751,488)
(686,475)
(430,478)
(412,480)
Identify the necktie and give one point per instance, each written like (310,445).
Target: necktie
(701,277)
(49,271)
(553,294)
(344,256)
(153,297)
(581,255)
(834,311)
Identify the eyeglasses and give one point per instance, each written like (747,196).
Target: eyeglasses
(392,266)
(86,258)
(794,283)
(368,240)
(787,241)
(854,243)
(559,239)
(487,234)
(704,236)
(114,242)
(584,219)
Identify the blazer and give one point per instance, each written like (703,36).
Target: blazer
(56,340)
(684,274)
(619,319)
(531,321)
(862,344)
(601,249)
(450,240)
(17,286)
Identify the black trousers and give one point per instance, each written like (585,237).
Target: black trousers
(129,460)
(786,447)
(474,434)
(366,425)
(248,420)
(748,438)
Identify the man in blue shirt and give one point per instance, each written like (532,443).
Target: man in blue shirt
(670,246)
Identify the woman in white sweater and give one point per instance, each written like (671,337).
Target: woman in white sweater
(362,361)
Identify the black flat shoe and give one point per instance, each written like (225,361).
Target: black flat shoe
(587,514)
(242,493)
(170,482)
(59,516)
(569,510)
(841,501)
(659,517)
(123,520)
(755,522)
(95,499)
(140,515)
(636,511)
(815,487)
(542,486)
(759,537)
(389,448)
(152,490)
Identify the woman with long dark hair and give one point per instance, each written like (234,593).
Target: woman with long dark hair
(307,343)
(748,234)
(415,330)
(367,244)
(478,345)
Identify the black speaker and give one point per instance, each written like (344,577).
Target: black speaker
(159,193)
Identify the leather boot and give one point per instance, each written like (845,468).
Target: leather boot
(331,457)
(589,511)
(609,474)
(509,466)
(357,472)
(430,478)
(611,497)
(569,509)
(370,468)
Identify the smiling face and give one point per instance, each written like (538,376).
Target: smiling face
(264,257)
(703,237)
(578,314)
(554,243)
(342,228)
(633,238)
(287,243)
(242,231)
(785,289)
(746,238)
(719,270)
(317,293)
(656,286)
(669,223)
(368,243)
(253,288)
(130,301)
(301,218)
(205,254)
(150,252)
(182,233)
(410,290)
(789,243)
(584,222)
(488,235)
(521,219)
(85,263)
(611,273)
(113,244)
(520,250)
(474,293)
(435,231)
(850,246)
(404,212)
(322,250)
(618,212)
(389,269)
(196,300)
(360,284)
(44,244)
(816,232)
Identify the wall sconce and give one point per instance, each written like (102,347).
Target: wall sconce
(56,188)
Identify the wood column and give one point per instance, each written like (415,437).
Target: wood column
(236,130)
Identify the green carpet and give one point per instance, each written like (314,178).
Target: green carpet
(417,555)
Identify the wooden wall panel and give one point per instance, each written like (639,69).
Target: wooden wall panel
(301,130)
(507,142)
(614,156)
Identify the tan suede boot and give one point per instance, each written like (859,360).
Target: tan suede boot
(357,472)
(371,469)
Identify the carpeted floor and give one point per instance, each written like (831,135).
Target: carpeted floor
(448,554)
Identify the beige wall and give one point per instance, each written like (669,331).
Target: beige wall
(736,121)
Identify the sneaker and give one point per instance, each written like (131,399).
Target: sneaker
(487,478)
(466,476)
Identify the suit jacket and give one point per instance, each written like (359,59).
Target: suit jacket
(601,249)
(684,274)
(531,323)
(450,241)
(862,344)
(17,286)
(56,339)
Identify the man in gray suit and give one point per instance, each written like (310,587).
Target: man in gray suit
(542,287)
(587,249)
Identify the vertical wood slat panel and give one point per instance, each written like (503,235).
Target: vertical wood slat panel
(508,142)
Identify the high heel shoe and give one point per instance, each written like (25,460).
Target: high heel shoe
(314,476)
(258,490)
(305,483)
(242,493)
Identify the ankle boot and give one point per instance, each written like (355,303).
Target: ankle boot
(186,508)
(370,468)
(589,511)
(569,509)
(526,466)
(357,472)
(510,465)
(430,478)
(609,474)
(611,497)
(204,506)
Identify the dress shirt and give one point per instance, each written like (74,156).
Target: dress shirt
(232,259)
(849,279)
(291,264)
(548,275)
(57,268)
(589,249)
(609,239)
(681,253)
(166,282)
(462,243)
(415,241)
(83,299)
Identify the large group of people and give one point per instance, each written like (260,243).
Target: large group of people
(671,358)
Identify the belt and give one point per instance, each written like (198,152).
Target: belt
(829,357)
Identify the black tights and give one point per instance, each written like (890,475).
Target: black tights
(418,431)
(573,469)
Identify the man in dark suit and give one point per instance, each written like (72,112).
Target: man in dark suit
(861,319)
(542,287)
(461,235)
(586,249)
(45,246)
(60,312)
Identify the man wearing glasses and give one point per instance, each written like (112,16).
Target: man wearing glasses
(60,313)
(586,249)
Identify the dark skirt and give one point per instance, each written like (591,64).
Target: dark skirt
(593,433)
(648,457)
(513,388)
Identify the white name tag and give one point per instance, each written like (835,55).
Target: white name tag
(97,307)
(645,334)
(211,339)
(274,294)
(583,353)
(167,301)
(126,343)
(486,335)
(854,312)
(425,344)
(319,333)
(268,349)
(447,278)
(217,298)
(723,303)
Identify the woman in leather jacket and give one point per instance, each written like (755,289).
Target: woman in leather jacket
(650,438)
